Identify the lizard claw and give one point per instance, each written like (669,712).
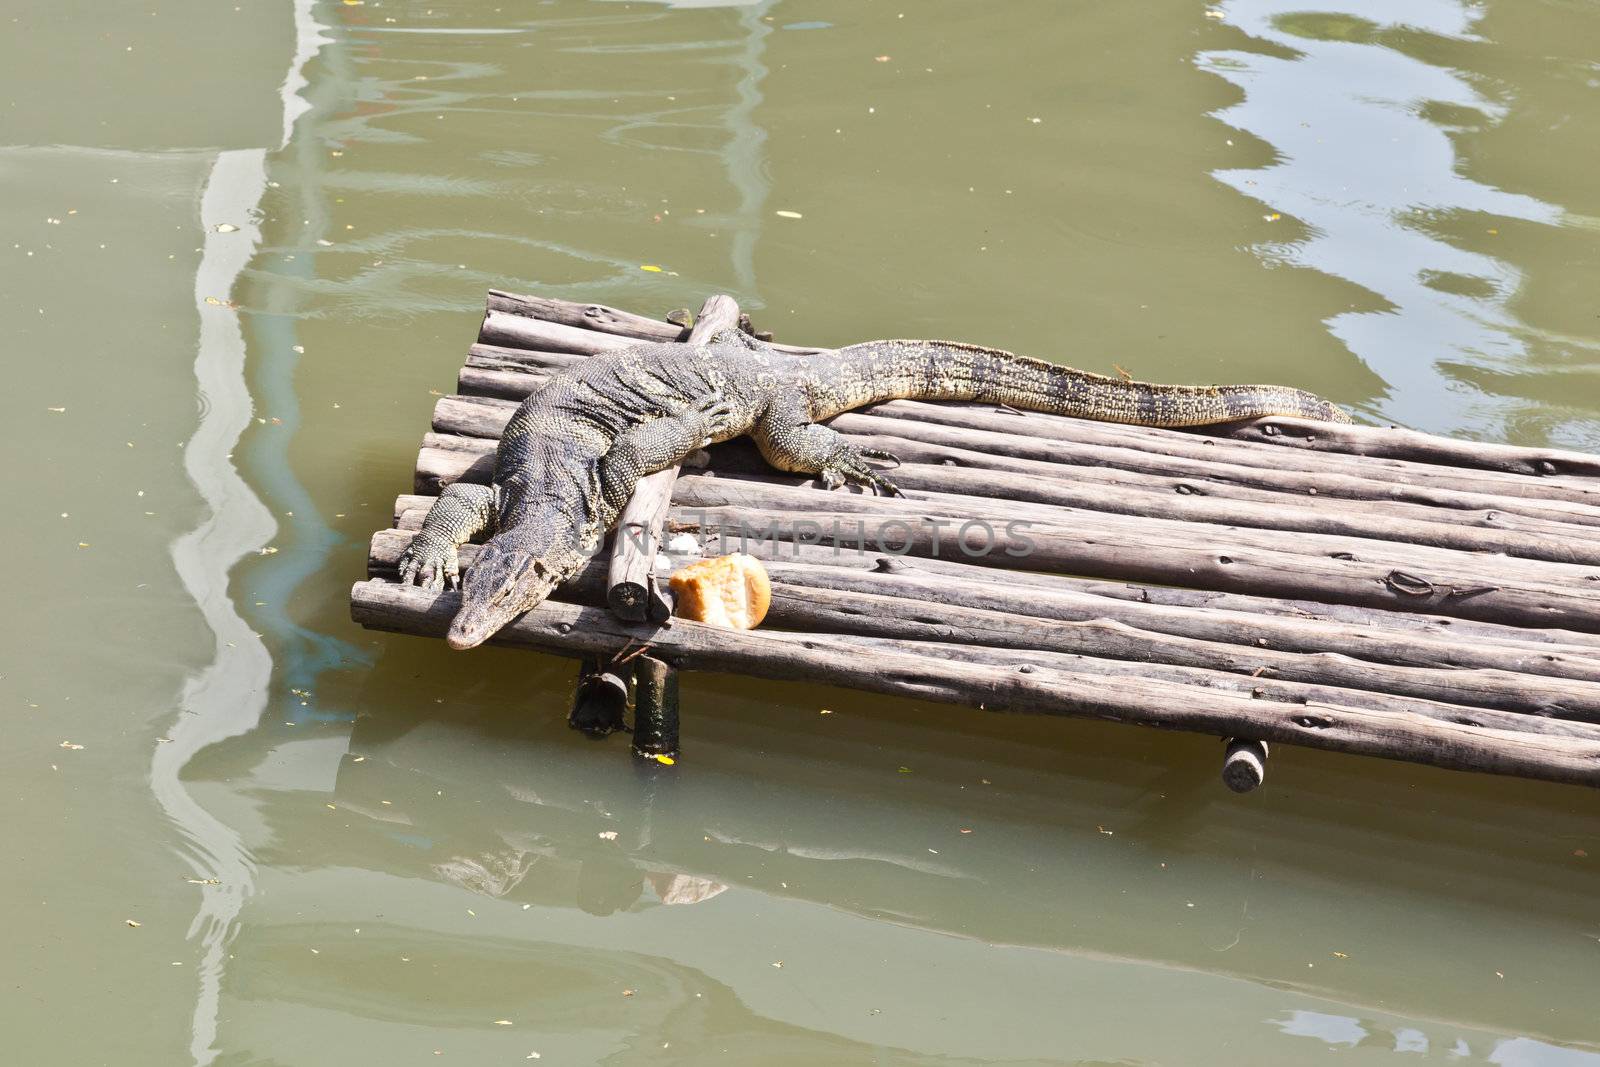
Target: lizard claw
(717,416)
(849,464)
(430,565)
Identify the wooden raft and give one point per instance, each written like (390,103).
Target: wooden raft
(1376,591)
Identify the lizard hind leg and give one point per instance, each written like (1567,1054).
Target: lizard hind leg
(810,448)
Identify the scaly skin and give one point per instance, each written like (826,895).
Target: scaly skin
(573,452)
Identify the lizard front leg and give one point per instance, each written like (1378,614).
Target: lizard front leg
(656,445)
(790,441)
(460,514)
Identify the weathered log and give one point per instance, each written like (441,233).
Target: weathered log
(1096,549)
(969,434)
(1328,651)
(1244,765)
(1113,671)
(1371,442)
(585,316)
(1345,569)
(1134,492)
(599,317)
(1478,531)
(538,366)
(634,593)
(1410,445)
(411,509)
(1194,444)
(446,458)
(810,609)
(515,331)
(570,630)
(774,494)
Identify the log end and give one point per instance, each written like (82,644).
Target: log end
(600,705)
(1244,767)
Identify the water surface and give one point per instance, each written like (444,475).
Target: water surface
(247,248)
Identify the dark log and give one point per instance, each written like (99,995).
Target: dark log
(1244,766)
(634,592)
(599,700)
(571,630)
(655,710)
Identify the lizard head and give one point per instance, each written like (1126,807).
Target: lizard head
(506,580)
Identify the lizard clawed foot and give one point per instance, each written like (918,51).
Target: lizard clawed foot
(849,464)
(718,419)
(430,564)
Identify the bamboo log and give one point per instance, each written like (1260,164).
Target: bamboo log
(585,316)
(1095,549)
(599,317)
(1477,531)
(476,416)
(966,434)
(571,630)
(1526,677)
(775,494)
(1194,444)
(449,457)
(1254,581)
(410,510)
(1112,672)
(515,331)
(634,594)
(810,609)
(538,365)
(633,591)
(1395,443)
(1411,576)
(1372,442)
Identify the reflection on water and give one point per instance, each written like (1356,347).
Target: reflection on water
(1364,166)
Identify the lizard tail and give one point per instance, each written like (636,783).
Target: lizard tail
(944,370)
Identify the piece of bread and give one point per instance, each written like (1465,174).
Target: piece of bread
(733,592)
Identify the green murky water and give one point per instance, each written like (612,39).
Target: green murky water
(347,848)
